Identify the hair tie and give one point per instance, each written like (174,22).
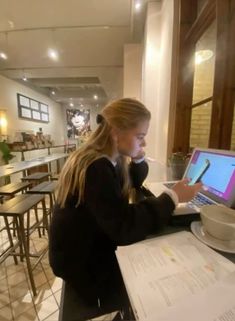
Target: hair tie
(99,119)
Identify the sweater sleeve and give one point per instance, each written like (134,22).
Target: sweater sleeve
(138,173)
(124,223)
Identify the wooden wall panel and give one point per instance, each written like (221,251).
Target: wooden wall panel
(223,94)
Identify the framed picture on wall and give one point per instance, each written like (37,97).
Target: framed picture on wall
(34,104)
(44,117)
(24,101)
(44,108)
(29,108)
(78,122)
(25,113)
(36,115)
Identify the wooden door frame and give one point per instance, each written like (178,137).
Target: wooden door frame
(191,29)
(224,84)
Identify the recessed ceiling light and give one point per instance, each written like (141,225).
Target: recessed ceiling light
(95,97)
(3,55)
(24,78)
(53,54)
(138,5)
(11,24)
(53,92)
(71,104)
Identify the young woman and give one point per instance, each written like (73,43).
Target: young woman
(93,216)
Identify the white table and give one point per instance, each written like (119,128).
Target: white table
(162,272)
(158,172)
(13,168)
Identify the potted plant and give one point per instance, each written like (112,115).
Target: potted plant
(6,154)
(178,162)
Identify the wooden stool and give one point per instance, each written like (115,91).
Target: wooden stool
(35,178)
(54,177)
(45,188)
(11,189)
(18,208)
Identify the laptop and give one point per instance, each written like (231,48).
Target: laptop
(216,170)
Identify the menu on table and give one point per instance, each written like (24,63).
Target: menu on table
(161,274)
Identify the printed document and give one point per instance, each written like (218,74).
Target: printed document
(217,303)
(161,273)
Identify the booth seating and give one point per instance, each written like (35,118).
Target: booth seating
(73,308)
(36,178)
(18,208)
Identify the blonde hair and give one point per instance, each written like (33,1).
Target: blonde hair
(122,114)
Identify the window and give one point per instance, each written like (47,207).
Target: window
(204,65)
(200,125)
(203,88)
(207,86)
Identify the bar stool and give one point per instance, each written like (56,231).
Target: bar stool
(18,208)
(45,188)
(36,178)
(11,189)
(54,177)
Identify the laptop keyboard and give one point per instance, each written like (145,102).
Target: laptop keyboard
(200,200)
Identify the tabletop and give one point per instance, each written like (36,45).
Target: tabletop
(13,168)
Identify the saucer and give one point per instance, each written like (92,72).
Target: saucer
(200,232)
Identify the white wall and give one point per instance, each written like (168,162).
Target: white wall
(132,70)
(151,64)
(166,77)
(158,78)
(8,101)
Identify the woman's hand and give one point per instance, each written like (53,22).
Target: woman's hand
(184,191)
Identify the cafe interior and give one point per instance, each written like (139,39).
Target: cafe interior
(61,62)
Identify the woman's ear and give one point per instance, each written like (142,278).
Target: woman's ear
(114,134)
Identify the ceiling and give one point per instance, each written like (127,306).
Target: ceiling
(88,35)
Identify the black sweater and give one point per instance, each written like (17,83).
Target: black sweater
(83,239)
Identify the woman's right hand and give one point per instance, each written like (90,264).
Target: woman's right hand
(186,192)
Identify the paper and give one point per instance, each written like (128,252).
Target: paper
(215,304)
(161,273)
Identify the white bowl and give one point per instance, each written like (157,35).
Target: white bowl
(219,221)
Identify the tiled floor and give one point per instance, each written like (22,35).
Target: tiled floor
(16,299)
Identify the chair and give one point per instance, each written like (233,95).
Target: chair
(73,308)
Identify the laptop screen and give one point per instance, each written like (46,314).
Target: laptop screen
(216,170)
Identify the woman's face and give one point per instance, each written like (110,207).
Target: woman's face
(130,142)
(77,120)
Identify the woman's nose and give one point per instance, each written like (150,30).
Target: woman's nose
(143,144)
